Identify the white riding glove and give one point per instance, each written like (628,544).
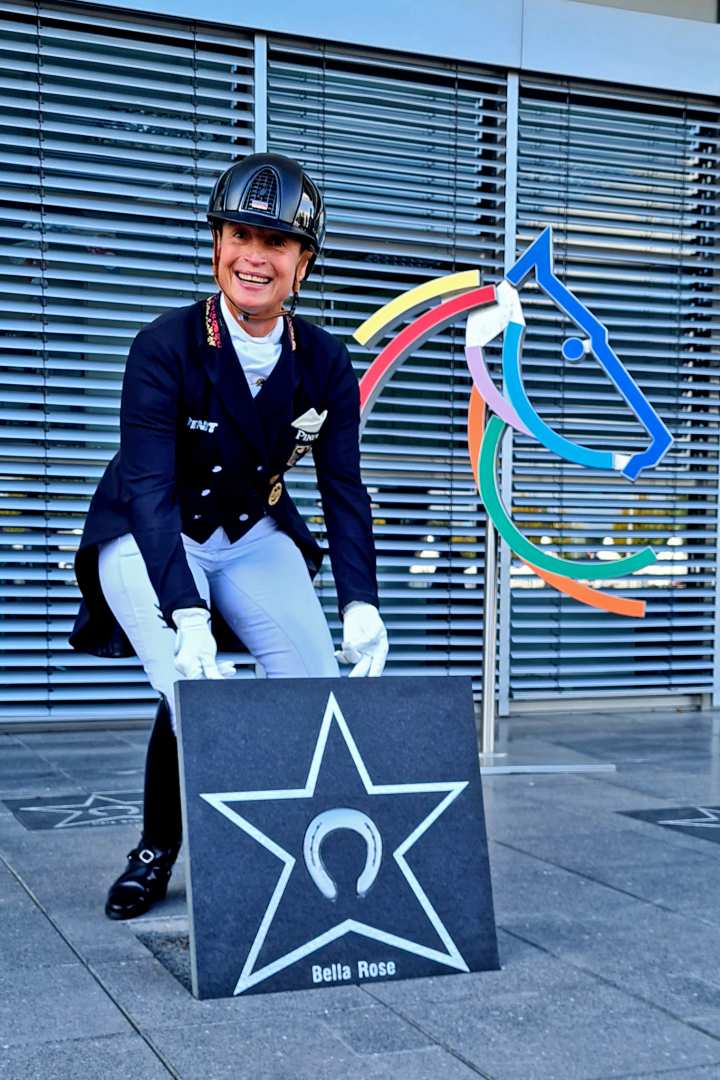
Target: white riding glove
(195,648)
(365,640)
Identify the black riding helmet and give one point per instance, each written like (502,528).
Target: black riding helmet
(271,191)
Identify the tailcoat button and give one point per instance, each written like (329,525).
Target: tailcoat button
(260,468)
(205,492)
(196,517)
(243,517)
(217,468)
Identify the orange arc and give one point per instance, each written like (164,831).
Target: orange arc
(585,594)
(476,422)
(617,605)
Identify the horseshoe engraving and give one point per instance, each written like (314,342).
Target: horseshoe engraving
(329,821)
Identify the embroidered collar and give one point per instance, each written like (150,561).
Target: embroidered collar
(212,324)
(291,332)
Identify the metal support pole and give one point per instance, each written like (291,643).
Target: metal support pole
(487,730)
(715,700)
(505,556)
(492,599)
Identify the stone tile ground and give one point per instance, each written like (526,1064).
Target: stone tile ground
(609,932)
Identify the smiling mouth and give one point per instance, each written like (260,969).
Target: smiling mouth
(252,279)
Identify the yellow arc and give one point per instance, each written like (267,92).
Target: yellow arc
(385,316)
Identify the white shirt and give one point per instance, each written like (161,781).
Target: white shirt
(257,355)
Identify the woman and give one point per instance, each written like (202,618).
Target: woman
(219,399)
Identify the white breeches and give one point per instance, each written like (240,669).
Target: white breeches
(260,585)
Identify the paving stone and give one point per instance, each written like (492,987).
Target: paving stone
(82,759)
(430,1064)
(709,1072)
(585,1031)
(526,972)
(53,1003)
(304,1050)
(375,1030)
(95,937)
(523,884)
(683,787)
(692,887)
(136,737)
(115,1057)
(604,938)
(93,854)
(24,773)
(637,864)
(75,900)
(638,746)
(14,754)
(11,891)
(662,958)
(155,999)
(70,878)
(56,742)
(29,940)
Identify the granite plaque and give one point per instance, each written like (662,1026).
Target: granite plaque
(334,832)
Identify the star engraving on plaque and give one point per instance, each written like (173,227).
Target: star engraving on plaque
(222,802)
(710,820)
(97,809)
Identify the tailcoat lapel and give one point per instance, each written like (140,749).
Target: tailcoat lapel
(275,404)
(228,377)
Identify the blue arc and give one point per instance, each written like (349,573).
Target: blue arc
(581,455)
(539,257)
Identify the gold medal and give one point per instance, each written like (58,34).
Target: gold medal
(275,493)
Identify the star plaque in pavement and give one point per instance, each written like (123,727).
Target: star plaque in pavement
(99,808)
(702,822)
(349,844)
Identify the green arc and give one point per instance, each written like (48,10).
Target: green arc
(588,571)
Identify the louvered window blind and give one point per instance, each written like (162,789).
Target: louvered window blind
(629,179)
(113,129)
(411,157)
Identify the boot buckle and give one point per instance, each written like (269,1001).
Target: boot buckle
(146,856)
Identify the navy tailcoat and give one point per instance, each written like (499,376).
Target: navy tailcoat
(197,451)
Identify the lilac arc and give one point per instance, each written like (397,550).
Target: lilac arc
(488,391)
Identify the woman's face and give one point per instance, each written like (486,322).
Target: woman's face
(257,269)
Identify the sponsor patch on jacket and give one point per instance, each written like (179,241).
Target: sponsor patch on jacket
(308,425)
(201,425)
(307,428)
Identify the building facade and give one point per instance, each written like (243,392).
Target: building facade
(702,10)
(116,123)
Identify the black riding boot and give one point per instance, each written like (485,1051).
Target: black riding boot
(150,864)
(162,819)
